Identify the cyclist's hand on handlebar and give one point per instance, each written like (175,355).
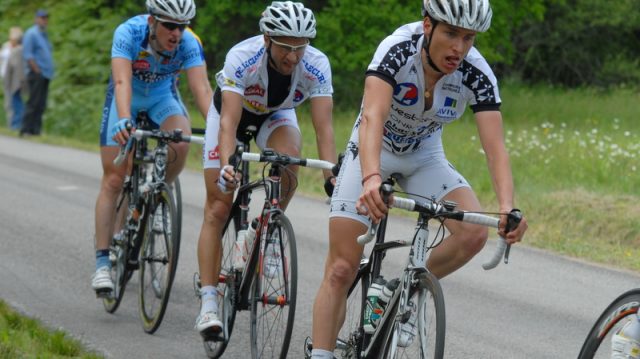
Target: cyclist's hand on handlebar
(370,202)
(515,234)
(120,131)
(329,185)
(228,180)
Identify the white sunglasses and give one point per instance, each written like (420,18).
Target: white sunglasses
(290,48)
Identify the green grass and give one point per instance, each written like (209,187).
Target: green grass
(576,161)
(21,337)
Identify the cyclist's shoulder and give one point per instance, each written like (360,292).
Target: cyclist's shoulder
(133,28)
(404,34)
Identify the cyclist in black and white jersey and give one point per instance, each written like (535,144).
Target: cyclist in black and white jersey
(264,78)
(421,77)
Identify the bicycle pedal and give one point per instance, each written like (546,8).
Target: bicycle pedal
(104,293)
(213,334)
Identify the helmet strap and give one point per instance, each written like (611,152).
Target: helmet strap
(427,42)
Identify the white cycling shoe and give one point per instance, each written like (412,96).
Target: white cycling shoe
(623,347)
(209,325)
(101,282)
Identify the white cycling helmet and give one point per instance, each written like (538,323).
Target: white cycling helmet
(180,10)
(468,14)
(286,18)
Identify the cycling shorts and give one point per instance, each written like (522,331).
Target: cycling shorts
(211,153)
(425,174)
(158,107)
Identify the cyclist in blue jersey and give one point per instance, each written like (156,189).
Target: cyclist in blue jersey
(422,77)
(147,56)
(263,79)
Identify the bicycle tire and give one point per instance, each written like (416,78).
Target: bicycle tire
(350,341)
(614,317)
(226,307)
(158,260)
(274,287)
(177,196)
(119,252)
(428,340)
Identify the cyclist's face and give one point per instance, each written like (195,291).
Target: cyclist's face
(168,32)
(449,45)
(286,52)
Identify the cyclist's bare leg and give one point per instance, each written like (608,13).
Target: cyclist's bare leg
(216,210)
(110,187)
(341,267)
(465,240)
(286,139)
(178,152)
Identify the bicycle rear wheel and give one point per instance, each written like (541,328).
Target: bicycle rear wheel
(118,254)
(214,348)
(274,286)
(618,313)
(350,341)
(158,259)
(422,336)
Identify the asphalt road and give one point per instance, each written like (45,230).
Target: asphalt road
(540,305)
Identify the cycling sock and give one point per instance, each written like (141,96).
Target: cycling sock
(321,354)
(209,297)
(102,259)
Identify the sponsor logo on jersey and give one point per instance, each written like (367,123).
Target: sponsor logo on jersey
(277,121)
(250,62)
(254,90)
(315,72)
(141,65)
(229,82)
(255,106)
(452,87)
(448,111)
(404,114)
(450,102)
(143,54)
(298,96)
(406,94)
(214,154)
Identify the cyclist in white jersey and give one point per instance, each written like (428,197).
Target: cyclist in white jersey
(421,77)
(264,78)
(147,56)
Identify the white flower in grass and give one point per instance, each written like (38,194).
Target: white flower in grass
(627,133)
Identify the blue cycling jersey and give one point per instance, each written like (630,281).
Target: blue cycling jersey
(154,73)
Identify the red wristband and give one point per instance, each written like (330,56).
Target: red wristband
(366,178)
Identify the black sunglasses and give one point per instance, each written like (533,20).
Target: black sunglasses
(172,25)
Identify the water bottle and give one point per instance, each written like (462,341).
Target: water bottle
(250,237)
(239,253)
(373,311)
(626,343)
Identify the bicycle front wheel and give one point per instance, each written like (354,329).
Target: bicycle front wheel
(273,302)
(158,259)
(419,332)
(617,314)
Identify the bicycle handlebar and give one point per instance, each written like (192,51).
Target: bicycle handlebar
(169,136)
(445,210)
(274,157)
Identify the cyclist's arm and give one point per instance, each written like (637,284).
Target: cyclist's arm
(231,111)
(375,109)
(122,73)
(321,116)
(490,131)
(200,88)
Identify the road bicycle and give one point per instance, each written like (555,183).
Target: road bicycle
(413,322)
(622,310)
(268,282)
(147,223)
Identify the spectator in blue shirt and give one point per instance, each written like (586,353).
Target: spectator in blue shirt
(37,54)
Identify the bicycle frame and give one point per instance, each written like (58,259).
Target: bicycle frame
(270,208)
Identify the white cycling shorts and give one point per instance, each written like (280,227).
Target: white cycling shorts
(211,153)
(428,175)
